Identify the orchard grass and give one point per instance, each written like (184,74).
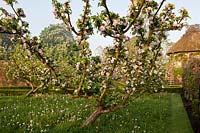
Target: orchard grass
(156,113)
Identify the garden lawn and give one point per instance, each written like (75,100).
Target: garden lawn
(156,113)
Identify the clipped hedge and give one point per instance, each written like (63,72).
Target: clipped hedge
(13,91)
(14,87)
(172,89)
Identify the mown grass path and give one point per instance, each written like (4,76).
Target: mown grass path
(179,121)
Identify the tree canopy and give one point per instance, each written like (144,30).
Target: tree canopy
(55,34)
(5,46)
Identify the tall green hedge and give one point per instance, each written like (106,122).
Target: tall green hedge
(191,83)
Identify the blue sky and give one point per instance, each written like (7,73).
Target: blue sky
(39,15)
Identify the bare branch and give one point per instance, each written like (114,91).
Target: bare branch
(108,12)
(158,9)
(14,10)
(70,24)
(135,18)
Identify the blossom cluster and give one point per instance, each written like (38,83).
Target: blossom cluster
(12,23)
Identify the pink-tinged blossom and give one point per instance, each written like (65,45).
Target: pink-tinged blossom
(102,28)
(112,60)
(117,35)
(23,39)
(78,38)
(140,63)
(127,82)
(126,37)
(149,9)
(129,14)
(40,51)
(115,23)
(62,15)
(25,45)
(141,51)
(163,20)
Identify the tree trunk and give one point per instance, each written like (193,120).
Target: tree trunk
(28,94)
(93,116)
(32,89)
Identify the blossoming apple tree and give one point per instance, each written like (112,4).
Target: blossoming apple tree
(147,21)
(33,71)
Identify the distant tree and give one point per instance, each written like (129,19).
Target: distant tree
(5,45)
(25,66)
(59,43)
(55,34)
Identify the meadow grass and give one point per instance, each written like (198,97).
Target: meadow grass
(58,113)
